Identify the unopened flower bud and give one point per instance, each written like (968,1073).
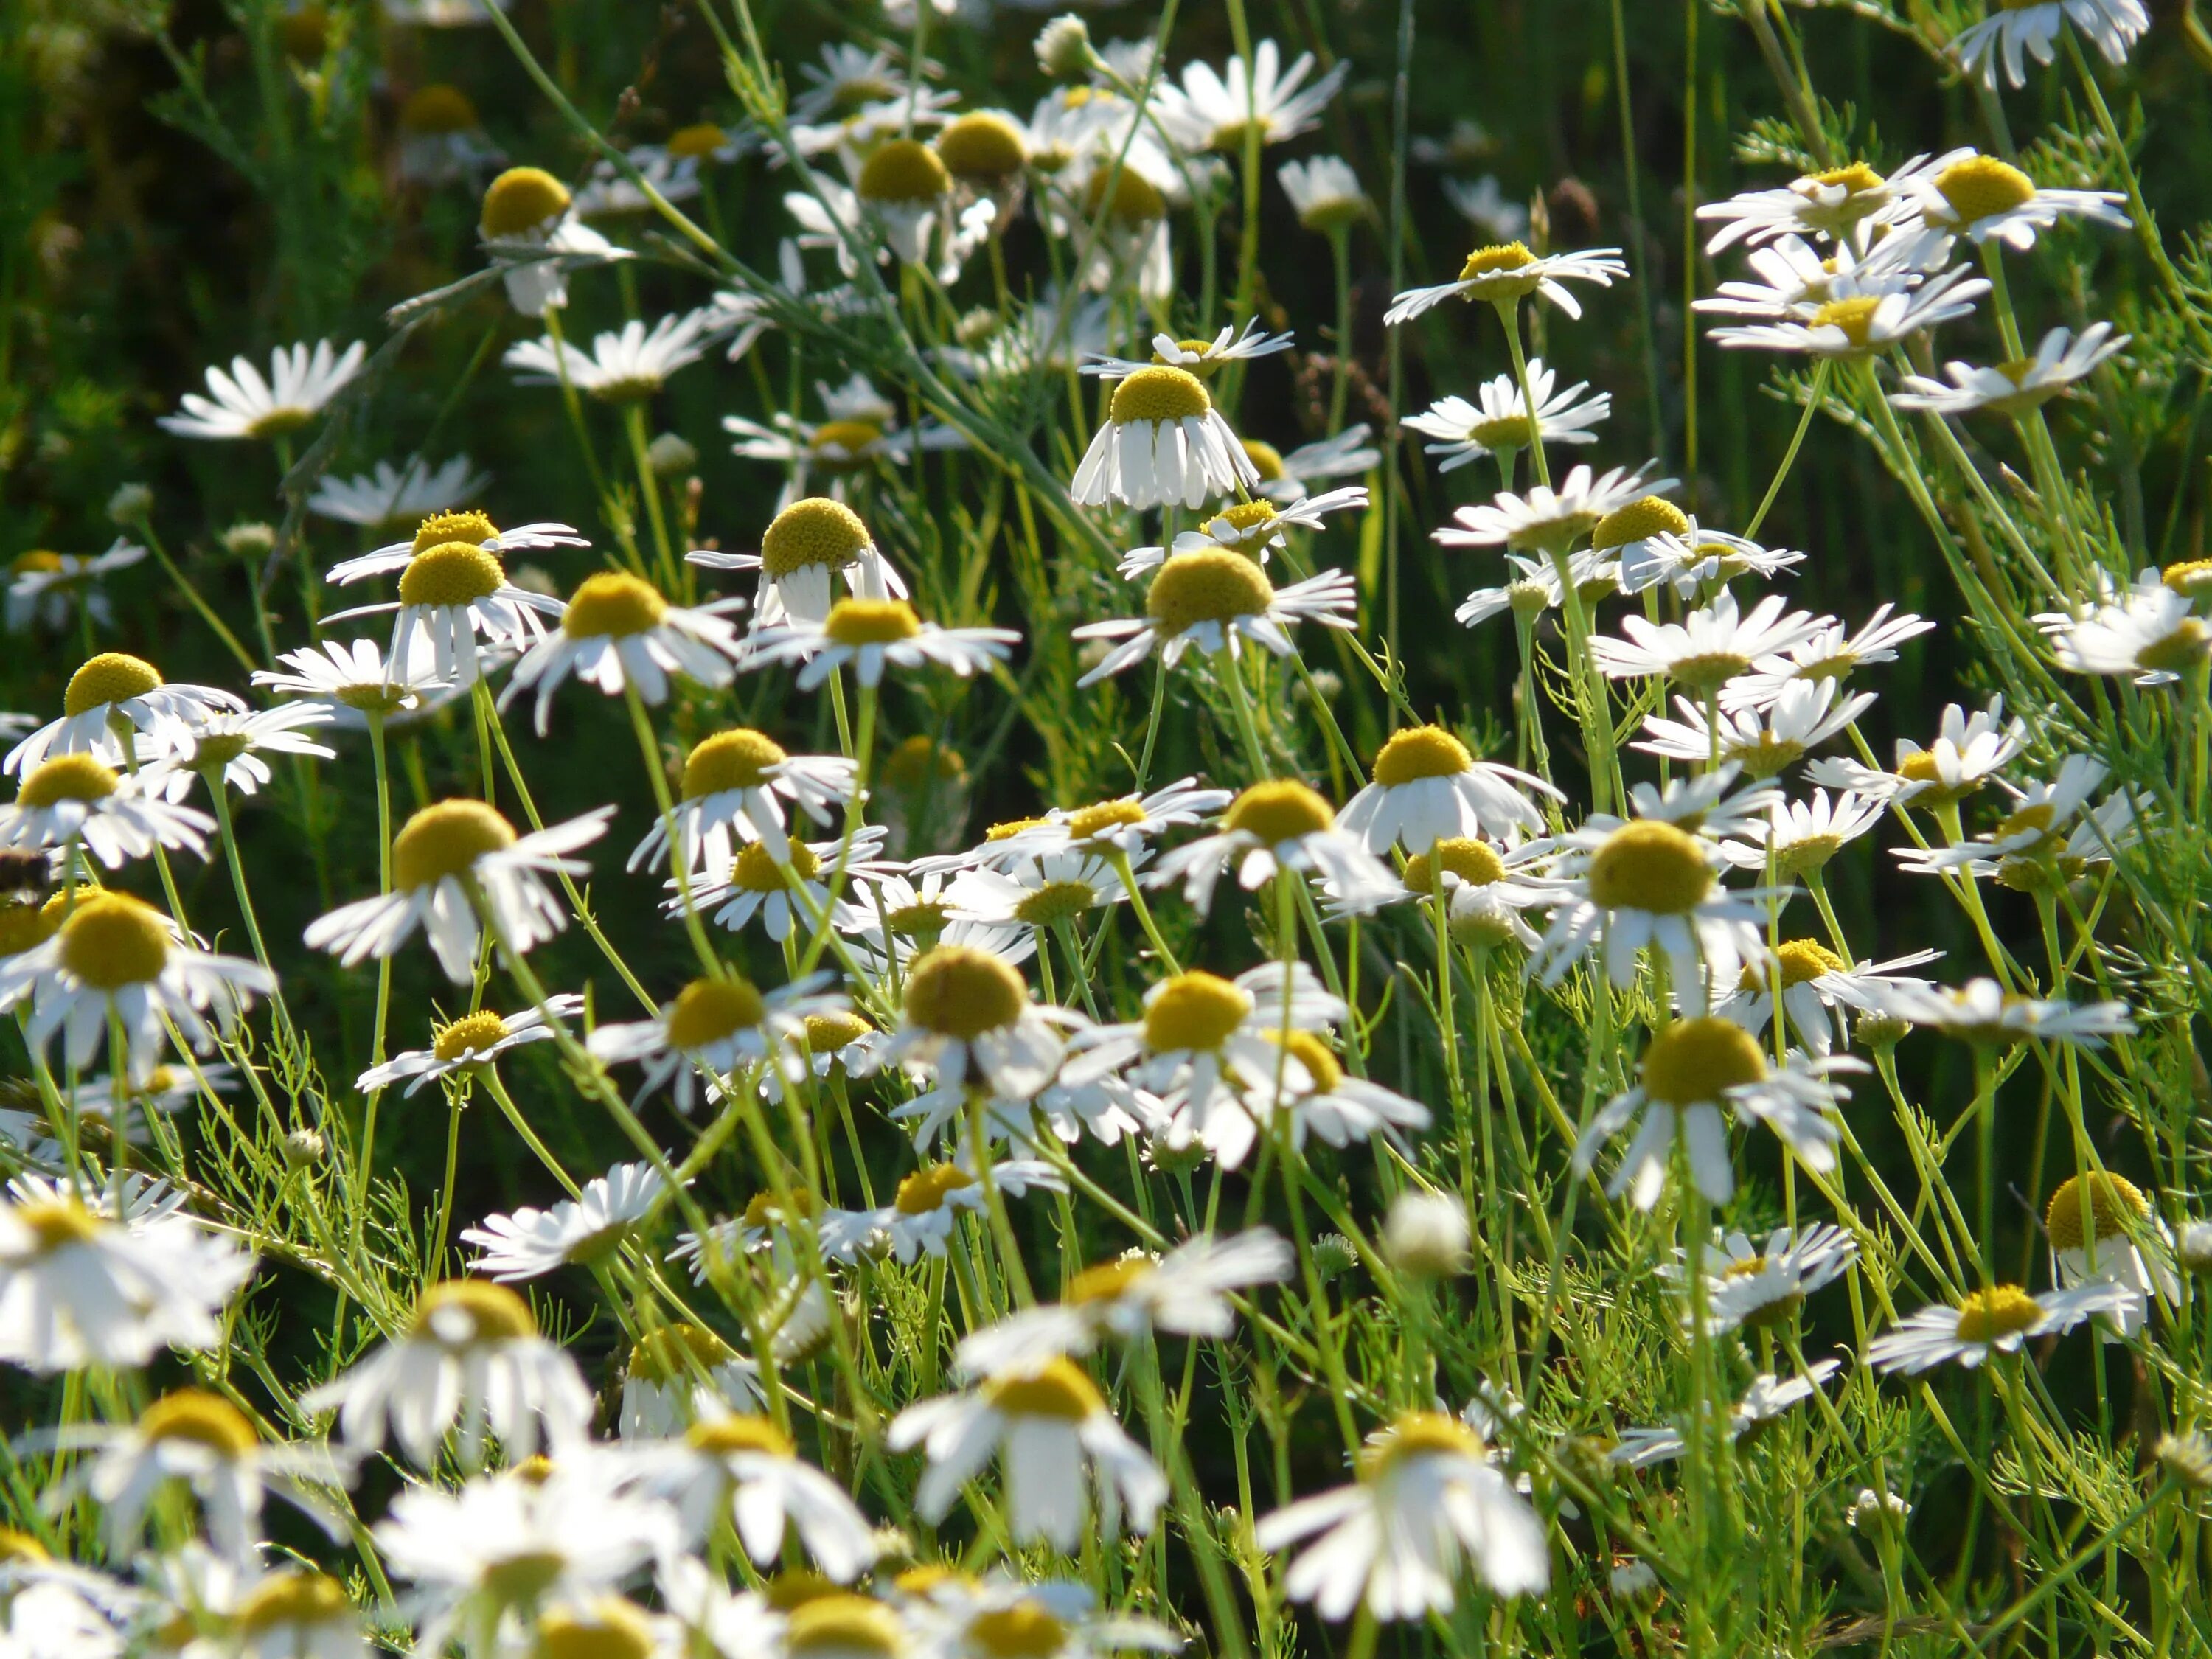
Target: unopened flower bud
(1426,1236)
(2188,1459)
(670,457)
(1873,1512)
(249,541)
(2194,1249)
(1333,1254)
(1634,1581)
(302,1148)
(130,504)
(1063,47)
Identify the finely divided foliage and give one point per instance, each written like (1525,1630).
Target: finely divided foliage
(1493,949)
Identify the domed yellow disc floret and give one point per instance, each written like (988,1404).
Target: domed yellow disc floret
(1854,316)
(739,1432)
(871,622)
(767,1210)
(675,1351)
(1058,1389)
(1159,393)
(1266,459)
(1133,199)
(714,1010)
(444,841)
(958,991)
(1024,1631)
(1701,1060)
(696,141)
(2191,578)
(1210,585)
(607,1628)
(1920,767)
(2004,1310)
(1086,821)
(451,574)
(1418,1434)
(902,171)
(111,676)
(471,1034)
(1647,516)
(814,531)
(1474,862)
(2093,1207)
(838,1625)
(1311,1051)
(1981,187)
(493,1313)
(1056,901)
(438,110)
(1195,1010)
(201,1419)
(614,604)
(1506,431)
(289,1598)
(66,777)
(522,200)
(844,446)
(25,927)
(1493,267)
(1856,179)
(738,759)
(1251,520)
(927,1190)
(1108,1281)
(1650,865)
(55,1224)
(756,872)
(827,1033)
(1280,810)
(1796,962)
(982,148)
(1420,751)
(112,940)
(474,528)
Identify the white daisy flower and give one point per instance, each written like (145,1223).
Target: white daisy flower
(807,543)
(1709,646)
(1132,204)
(968,1020)
(1427,788)
(471,1042)
(922,1216)
(470,1358)
(1708,805)
(1968,751)
(226,749)
(1694,1070)
(1766,1399)
(872,635)
(1487,888)
(46,587)
(532,1243)
(1317,1098)
(1997,1320)
(1536,587)
(616,631)
(1497,422)
(734,790)
(1126,823)
(897,914)
(1214,110)
(449,861)
(1815,987)
(1050,1425)
(608,191)
(1051,890)
(1982,1011)
(2032,26)
(1798,278)
(1279,825)
(2028,839)
(112,696)
(1163,441)
(680,1373)
(1831,206)
(2014,388)
(1203,358)
(1763,741)
(1325,193)
(468,526)
(352,679)
(718,1027)
(115,959)
(530,231)
(295,1613)
(620,367)
(300,386)
(1186,1292)
(745,1467)
(1549,520)
(861,433)
(848,78)
(1880,313)
(1253,527)
(1978,197)
(1213,599)
(95,1286)
(2149,632)
(1288,478)
(2102,1230)
(1831,651)
(1507,272)
(755,884)
(1656,541)
(77,800)
(1753,1284)
(390,497)
(1427,1503)
(1804,836)
(957,1617)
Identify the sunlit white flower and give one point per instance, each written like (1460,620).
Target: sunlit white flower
(452,587)
(1485,887)
(1656,541)
(1314,1097)
(1979,197)
(1050,891)
(2102,1230)
(617,632)
(1163,441)
(392,496)
(1764,741)
(1536,587)
(243,404)
(1982,1011)
(967,1018)
(296,1613)
(1766,1399)
(1815,987)
(109,698)
(1253,527)
(1997,1320)
(1549,520)
(2047,831)
(1798,278)
(2148,632)
(895,913)
(718,1026)
(530,230)
(735,788)
(1286,479)
(1214,599)
(532,1243)
(1427,788)
(2032,26)
(787,895)
(1506,273)
(2014,388)
(1128,184)
(955,1616)
(1831,206)
(1427,1503)
(226,749)
(1709,646)
(1126,823)
(848,77)
(745,1467)
(1279,825)
(808,541)
(1748,1283)
(1214,110)
(1050,1426)
(609,192)
(1968,750)
(1709,804)
(46,587)
(679,1374)
(1880,313)
(1325,193)
(1804,836)
(621,367)
(860,432)
(472,1041)
(1830,652)
(448,862)
(77,800)
(921,1218)
(872,635)
(1497,424)
(1203,358)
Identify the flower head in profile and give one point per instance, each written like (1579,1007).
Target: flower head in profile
(352,679)
(1874,315)
(1979,197)
(530,231)
(784,894)
(1995,1320)
(1764,742)
(616,633)
(1427,788)
(1497,424)
(1549,519)
(1815,989)
(967,1018)
(1707,648)
(1833,652)
(742,1467)
(679,1374)
(2102,1230)
(1216,109)
(1835,204)
(1485,888)
(736,786)
(922,1216)
(2014,387)
(389,496)
(1215,599)
(1127,825)
(531,1242)
(1253,527)
(627,366)
(226,749)
(1285,478)
(719,1026)
(1325,193)
(112,696)
(242,403)
(1163,443)
(1969,750)
(2149,633)
(469,1043)
(1982,1011)
(1279,826)
(1765,1400)
(872,636)
(77,800)
(807,543)
(1507,273)
(1203,358)
(47,587)
(2025,29)
(1748,1283)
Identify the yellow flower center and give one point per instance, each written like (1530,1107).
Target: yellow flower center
(609,1628)
(1056,901)
(1108,1281)
(840,1623)
(1059,1391)
(1498,260)
(675,1352)
(2191,578)
(712,1011)
(926,1190)
(958,991)
(843,444)
(1982,188)
(2093,1207)
(25,927)
(697,142)
(738,759)
(1280,810)
(57,1223)
(2178,650)
(871,622)
(1811,852)
(814,531)
(1312,1052)
(291,1598)
(767,1210)
(933,1576)
(1649,516)
(1650,865)
(1091,821)
(1418,1434)
(902,171)
(112,940)
(1473,862)
(1024,1631)
(739,1433)
(200,1418)
(20,1547)
(2005,1310)
(450,574)
(1920,767)
(755,871)
(1134,201)
(1420,751)
(471,1033)
(982,148)
(827,1033)
(1266,459)
(438,109)
(1250,519)
(1854,316)
(474,528)
(1701,1060)
(1796,962)
(1856,179)
(1510,432)
(37,560)
(1010,828)
(612,604)
(522,200)
(66,777)
(445,840)
(920,762)
(517,1579)
(495,1313)
(111,676)
(1160,394)
(1195,1011)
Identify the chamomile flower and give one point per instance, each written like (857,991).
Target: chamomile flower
(1317,1097)
(2102,1229)
(470,1358)
(469,1043)
(2149,632)
(959,1617)
(389,496)
(921,1218)
(1286,479)
(1186,1292)
(1050,1426)
(243,404)
(1831,206)
(1763,741)
(1214,599)
(1996,1321)
(2031,846)
(1982,1011)
(110,697)
(532,1243)
(1536,588)
(967,1019)
(1253,527)
(530,230)
(117,961)
(623,367)
(442,136)
(1050,891)
(1798,276)
(872,635)
(609,192)
(1754,1284)
(1279,825)
(1804,836)
(679,1374)
(2033,28)
(352,679)
(1693,1072)
(1878,314)
(47,587)
(1203,358)
(1485,888)
(226,749)
(737,787)
(756,883)
(1427,788)
(718,1026)
(1831,651)
(1815,987)
(617,632)
(1766,1399)
(1163,443)
(1428,1503)
(449,862)
(898,912)
(2014,387)
(846,77)
(805,545)
(296,1613)
(1215,109)
(1325,193)
(1126,823)
(1978,197)
(1506,273)
(861,433)
(1497,422)
(76,799)
(746,1468)
(452,587)
(1548,519)
(1129,187)
(1968,751)
(1656,541)
(1707,648)
(94,1284)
